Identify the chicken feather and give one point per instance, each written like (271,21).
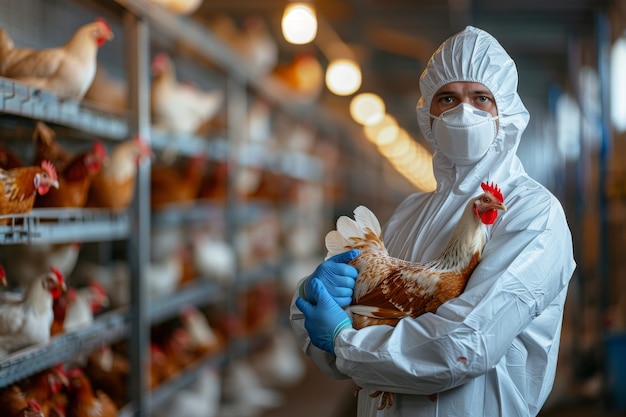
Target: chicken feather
(389,289)
(67,71)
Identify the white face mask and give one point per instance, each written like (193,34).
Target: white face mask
(464,133)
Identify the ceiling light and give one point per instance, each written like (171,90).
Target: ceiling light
(343,77)
(384,132)
(299,23)
(367,108)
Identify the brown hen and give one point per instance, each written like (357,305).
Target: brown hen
(85,401)
(75,179)
(171,184)
(114,186)
(13,403)
(389,289)
(19,186)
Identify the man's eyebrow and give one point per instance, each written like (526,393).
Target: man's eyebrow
(445,93)
(483,92)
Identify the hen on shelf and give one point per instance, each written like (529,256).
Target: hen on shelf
(177,107)
(253,41)
(13,403)
(172,184)
(84,401)
(67,71)
(164,275)
(388,289)
(75,179)
(48,149)
(108,371)
(46,389)
(9,159)
(213,257)
(19,186)
(82,305)
(114,186)
(113,277)
(27,321)
(107,92)
(204,340)
(161,367)
(201,399)
(21,270)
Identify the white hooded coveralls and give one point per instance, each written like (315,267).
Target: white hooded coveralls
(493,350)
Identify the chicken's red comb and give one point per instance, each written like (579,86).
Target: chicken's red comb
(99,149)
(75,373)
(143,145)
(34,405)
(104,22)
(97,287)
(58,274)
(50,169)
(494,190)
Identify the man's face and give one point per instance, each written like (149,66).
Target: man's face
(452,94)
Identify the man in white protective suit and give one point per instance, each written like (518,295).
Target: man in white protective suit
(506,324)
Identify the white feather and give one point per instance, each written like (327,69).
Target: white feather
(348,228)
(367,220)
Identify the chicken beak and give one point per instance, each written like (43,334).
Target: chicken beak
(501,206)
(54,184)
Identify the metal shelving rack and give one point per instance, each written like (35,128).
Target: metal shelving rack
(55,226)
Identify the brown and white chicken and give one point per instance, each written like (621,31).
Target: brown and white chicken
(179,107)
(13,403)
(19,186)
(389,289)
(114,186)
(84,401)
(67,71)
(83,304)
(26,321)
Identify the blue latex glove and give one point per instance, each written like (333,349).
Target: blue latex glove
(323,317)
(337,277)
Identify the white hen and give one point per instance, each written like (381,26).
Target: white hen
(67,71)
(83,305)
(201,399)
(177,107)
(27,321)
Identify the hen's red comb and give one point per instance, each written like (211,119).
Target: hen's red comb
(99,149)
(494,190)
(34,405)
(104,22)
(49,168)
(58,274)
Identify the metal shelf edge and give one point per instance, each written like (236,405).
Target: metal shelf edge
(106,328)
(197,294)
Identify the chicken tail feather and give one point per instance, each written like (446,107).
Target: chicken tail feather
(363,233)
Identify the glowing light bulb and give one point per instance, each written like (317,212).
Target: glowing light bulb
(367,108)
(299,23)
(383,132)
(343,77)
